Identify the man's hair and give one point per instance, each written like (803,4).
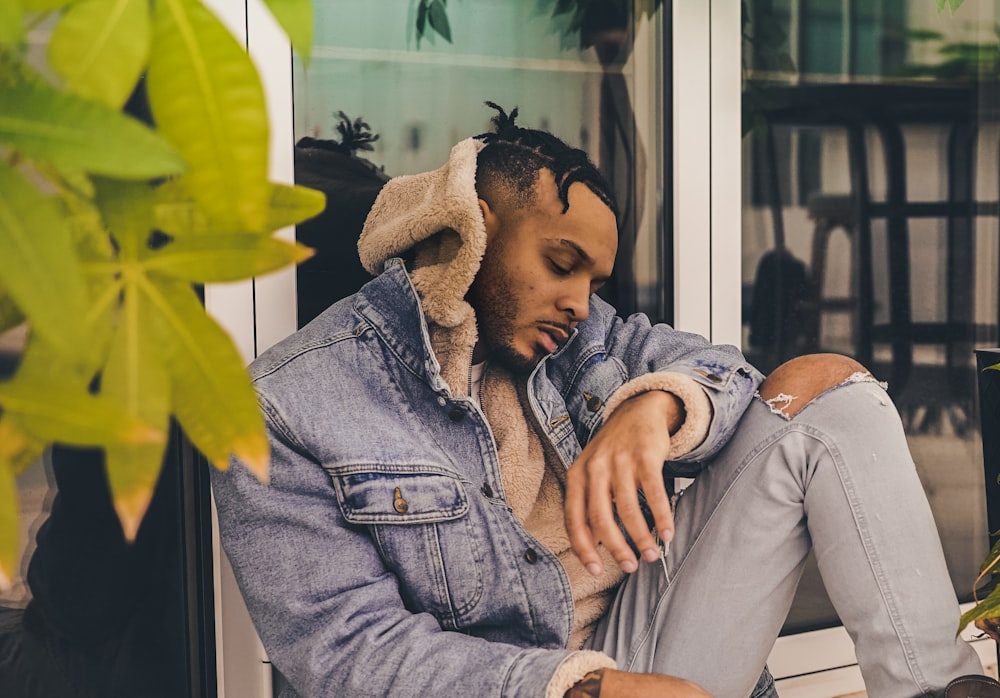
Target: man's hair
(508,167)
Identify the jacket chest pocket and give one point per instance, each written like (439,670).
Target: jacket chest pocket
(418,516)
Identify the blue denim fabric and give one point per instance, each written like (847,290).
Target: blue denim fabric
(382,559)
(836,478)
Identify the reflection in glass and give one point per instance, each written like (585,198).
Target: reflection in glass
(870,223)
(574,73)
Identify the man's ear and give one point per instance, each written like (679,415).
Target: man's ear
(490,219)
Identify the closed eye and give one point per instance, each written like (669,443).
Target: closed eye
(559,269)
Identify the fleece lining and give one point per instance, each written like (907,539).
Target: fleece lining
(436,216)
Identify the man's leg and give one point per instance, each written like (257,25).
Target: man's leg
(819,460)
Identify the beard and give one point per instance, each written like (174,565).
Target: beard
(493,298)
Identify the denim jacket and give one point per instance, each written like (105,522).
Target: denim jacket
(382,559)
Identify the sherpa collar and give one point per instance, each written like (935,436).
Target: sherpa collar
(437,214)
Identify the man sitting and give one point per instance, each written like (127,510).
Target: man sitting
(468,457)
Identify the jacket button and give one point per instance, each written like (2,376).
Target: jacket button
(487,490)
(531,556)
(593,402)
(398,503)
(457,414)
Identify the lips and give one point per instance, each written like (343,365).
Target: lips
(552,337)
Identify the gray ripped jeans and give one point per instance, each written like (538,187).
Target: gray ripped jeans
(835,475)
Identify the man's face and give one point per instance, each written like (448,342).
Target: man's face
(538,272)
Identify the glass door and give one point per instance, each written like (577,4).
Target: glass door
(391,86)
(870,223)
(388,89)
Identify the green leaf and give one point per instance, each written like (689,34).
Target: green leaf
(50,410)
(211,393)
(952,4)
(421,19)
(9,526)
(176,213)
(127,210)
(136,378)
(44,5)
(221,258)
(73,133)
(293,204)
(919,34)
(296,18)
(987,608)
(438,17)
(37,265)
(11,23)
(207,99)
(100,47)
(10,314)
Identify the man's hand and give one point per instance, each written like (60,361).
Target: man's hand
(613,683)
(626,455)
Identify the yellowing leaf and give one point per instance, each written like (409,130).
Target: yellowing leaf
(211,393)
(9,537)
(296,18)
(18,448)
(221,258)
(73,133)
(207,99)
(293,204)
(135,378)
(986,608)
(100,47)
(37,264)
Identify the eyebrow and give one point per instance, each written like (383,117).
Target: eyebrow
(563,242)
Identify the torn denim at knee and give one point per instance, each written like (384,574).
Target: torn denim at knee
(780,403)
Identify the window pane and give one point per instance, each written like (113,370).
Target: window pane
(870,224)
(574,74)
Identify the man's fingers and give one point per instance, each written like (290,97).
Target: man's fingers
(577,526)
(632,519)
(601,517)
(658,502)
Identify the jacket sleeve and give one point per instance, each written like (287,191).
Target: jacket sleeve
(714,381)
(328,610)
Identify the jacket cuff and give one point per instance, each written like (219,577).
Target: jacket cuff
(697,406)
(574,668)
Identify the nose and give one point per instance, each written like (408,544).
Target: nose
(576,301)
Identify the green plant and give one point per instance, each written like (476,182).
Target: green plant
(571,16)
(986,613)
(108,223)
(959,60)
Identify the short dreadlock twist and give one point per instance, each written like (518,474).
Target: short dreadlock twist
(513,156)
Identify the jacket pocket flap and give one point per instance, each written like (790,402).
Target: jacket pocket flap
(388,494)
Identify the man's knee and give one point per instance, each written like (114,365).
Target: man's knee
(797,382)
